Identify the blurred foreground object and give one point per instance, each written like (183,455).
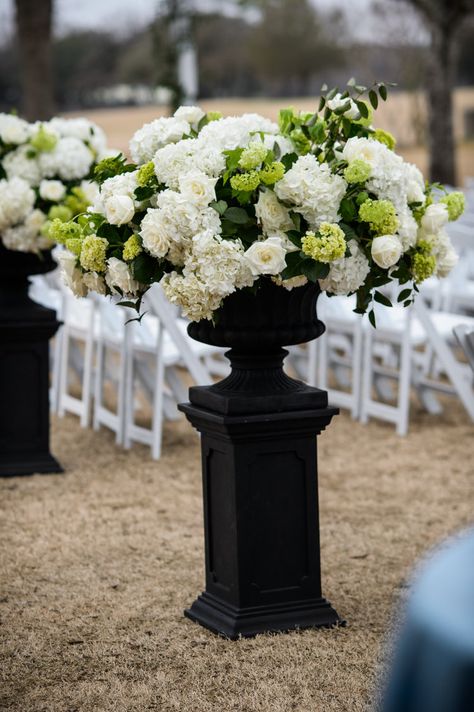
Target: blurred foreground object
(434,661)
(34,28)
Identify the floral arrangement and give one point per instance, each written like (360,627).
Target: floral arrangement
(212,205)
(44,176)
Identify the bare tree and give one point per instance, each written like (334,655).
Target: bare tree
(444,19)
(34,28)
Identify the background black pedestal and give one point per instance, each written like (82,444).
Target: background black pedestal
(25,330)
(260,501)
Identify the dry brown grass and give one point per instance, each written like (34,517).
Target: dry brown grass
(98,564)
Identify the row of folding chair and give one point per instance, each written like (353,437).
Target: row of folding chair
(107,363)
(372,372)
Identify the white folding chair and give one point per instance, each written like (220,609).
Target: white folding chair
(79,328)
(338,351)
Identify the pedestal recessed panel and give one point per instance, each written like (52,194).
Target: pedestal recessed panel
(276,529)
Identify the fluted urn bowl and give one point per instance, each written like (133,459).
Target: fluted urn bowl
(256,327)
(271,318)
(15,268)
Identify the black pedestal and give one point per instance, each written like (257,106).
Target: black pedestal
(25,330)
(260,499)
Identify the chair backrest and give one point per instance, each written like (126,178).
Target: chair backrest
(156,301)
(465,337)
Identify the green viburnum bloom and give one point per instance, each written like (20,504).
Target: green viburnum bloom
(213,115)
(93,253)
(422,266)
(252,156)
(245,181)
(357,171)
(385,137)
(60,212)
(273,173)
(146,173)
(327,245)
(381,216)
(43,140)
(301,141)
(77,201)
(456,203)
(74,245)
(132,247)
(60,231)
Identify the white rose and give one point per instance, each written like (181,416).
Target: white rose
(271,213)
(119,209)
(266,257)
(118,275)
(386,250)
(436,216)
(191,114)
(336,102)
(71,275)
(198,188)
(52,190)
(155,233)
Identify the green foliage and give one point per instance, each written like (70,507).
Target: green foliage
(113,166)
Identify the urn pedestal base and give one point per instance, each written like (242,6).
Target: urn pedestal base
(25,330)
(260,507)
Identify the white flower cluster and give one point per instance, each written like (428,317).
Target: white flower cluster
(312,190)
(43,156)
(347,274)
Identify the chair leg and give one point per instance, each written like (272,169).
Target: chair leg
(128,400)
(367,377)
(63,372)
(157,426)
(356,370)
(312,361)
(87,382)
(404,386)
(98,383)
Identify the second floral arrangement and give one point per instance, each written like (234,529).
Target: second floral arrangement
(212,205)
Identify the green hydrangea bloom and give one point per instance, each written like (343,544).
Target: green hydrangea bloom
(422,266)
(60,212)
(93,253)
(301,141)
(146,173)
(456,204)
(385,137)
(42,140)
(74,245)
(269,175)
(381,216)
(60,231)
(252,156)
(245,181)
(132,247)
(357,171)
(327,245)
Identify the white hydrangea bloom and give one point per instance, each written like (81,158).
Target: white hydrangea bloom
(187,219)
(407,229)
(175,160)
(82,129)
(94,282)
(158,133)
(415,184)
(53,190)
(218,263)
(70,159)
(191,114)
(233,131)
(192,295)
(347,274)
(16,202)
(313,190)
(18,164)
(14,130)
